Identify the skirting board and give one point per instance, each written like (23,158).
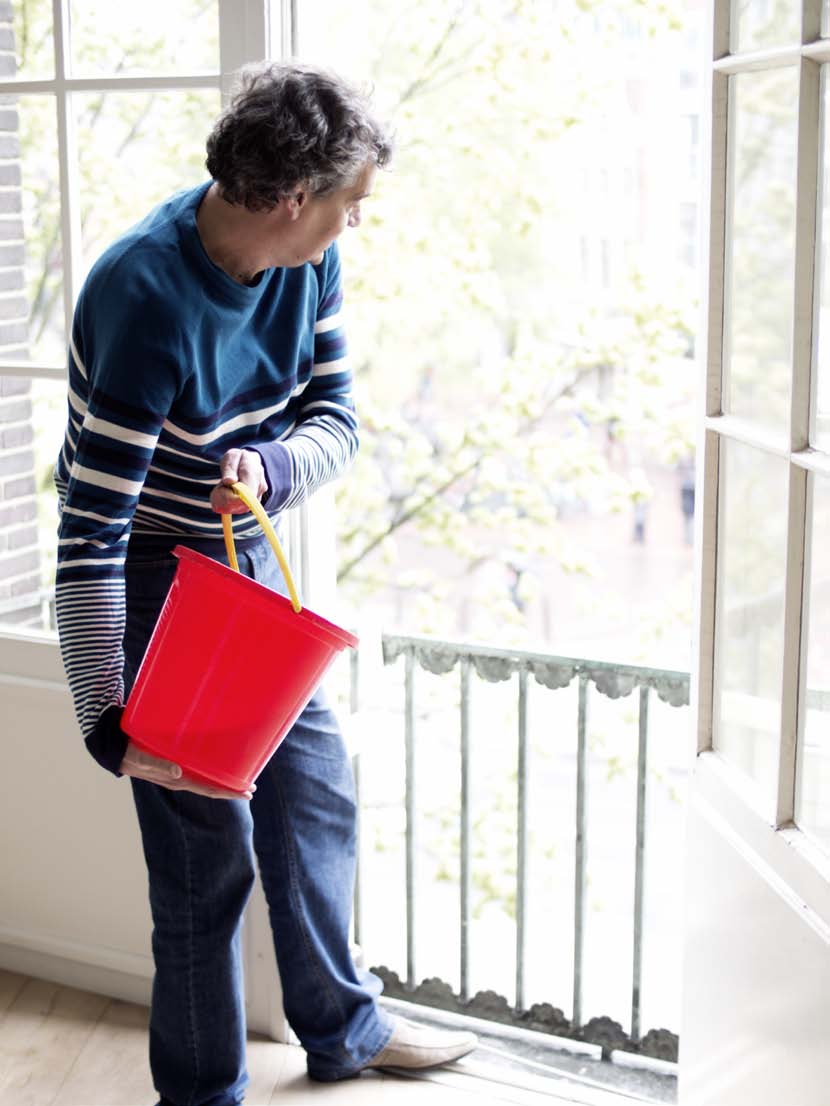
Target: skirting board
(128,976)
(120,975)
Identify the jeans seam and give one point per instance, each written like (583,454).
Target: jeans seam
(191,997)
(299,913)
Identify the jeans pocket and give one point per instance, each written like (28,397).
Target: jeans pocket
(146,586)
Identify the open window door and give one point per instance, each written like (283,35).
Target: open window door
(756,1006)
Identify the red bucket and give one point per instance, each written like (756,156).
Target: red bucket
(188,705)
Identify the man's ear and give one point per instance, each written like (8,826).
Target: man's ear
(296,203)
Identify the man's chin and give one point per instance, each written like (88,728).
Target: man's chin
(318,258)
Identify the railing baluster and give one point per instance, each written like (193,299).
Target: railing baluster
(410,818)
(465,828)
(521,847)
(639,865)
(580,849)
(554,672)
(354,706)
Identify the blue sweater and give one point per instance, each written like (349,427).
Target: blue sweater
(171,364)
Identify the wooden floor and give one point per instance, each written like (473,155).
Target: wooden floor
(63,1047)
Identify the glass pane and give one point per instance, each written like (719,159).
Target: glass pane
(760,254)
(32,422)
(31,28)
(530,275)
(750,614)
(812,806)
(175,36)
(148,145)
(821,428)
(760,23)
(31,266)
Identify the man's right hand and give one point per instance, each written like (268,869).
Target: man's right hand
(144,766)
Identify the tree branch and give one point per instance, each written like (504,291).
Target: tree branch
(442,489)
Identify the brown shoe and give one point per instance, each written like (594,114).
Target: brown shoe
(419,1047)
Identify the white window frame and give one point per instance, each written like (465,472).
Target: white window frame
(249,30)
(800,862)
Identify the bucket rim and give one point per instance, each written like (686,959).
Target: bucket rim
(345,637)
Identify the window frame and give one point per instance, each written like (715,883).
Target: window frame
(249,30)
(793,445)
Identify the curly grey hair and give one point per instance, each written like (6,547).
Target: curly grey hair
(288,125)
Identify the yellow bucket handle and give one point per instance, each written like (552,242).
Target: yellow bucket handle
(258,511)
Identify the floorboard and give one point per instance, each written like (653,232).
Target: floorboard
(63,1047)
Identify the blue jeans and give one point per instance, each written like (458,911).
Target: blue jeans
(200,853)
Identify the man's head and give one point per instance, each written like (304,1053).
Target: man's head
(290,128)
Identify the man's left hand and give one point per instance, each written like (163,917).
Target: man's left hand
(244,466)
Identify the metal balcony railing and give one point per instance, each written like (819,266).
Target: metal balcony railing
(553,673)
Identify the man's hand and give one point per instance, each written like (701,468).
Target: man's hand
(244,466)
(144,766)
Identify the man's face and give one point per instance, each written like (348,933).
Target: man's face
(322,219)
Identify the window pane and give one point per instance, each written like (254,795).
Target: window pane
(821,429)
(750,613)
(32,421)
(760,23)
(760,253)
(174,36)
(31,52)
(31,266)
(148,145)
(812,808)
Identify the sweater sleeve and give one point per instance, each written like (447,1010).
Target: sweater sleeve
(324,439)
(122,382)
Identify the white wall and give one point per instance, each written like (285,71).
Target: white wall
(74,899)
(756,1002)
(73,885)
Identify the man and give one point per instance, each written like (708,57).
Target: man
(207,348)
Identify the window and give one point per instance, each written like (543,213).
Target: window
(767,428)
(103,114)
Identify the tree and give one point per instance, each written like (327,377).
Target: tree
(485,387)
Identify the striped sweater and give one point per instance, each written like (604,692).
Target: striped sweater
(171,364)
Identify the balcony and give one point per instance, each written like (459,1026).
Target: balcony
(483,750)
(574,741)
(530,1051)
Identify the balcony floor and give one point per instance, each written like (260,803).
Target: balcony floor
(64,1047)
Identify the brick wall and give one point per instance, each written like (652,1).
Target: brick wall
(19,551)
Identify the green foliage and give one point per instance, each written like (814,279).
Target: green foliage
(484,390)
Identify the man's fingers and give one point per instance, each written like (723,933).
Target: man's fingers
(185,784)
(250,468)
(241,465)
(229,466)
(139,762)
(251,471)
(150,774)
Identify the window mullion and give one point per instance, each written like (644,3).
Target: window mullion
(752,61)
(714,252)
(289,47)
(68,162)
(244,36)
(810,20)
(130,83)
(805,252)
(809,107)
